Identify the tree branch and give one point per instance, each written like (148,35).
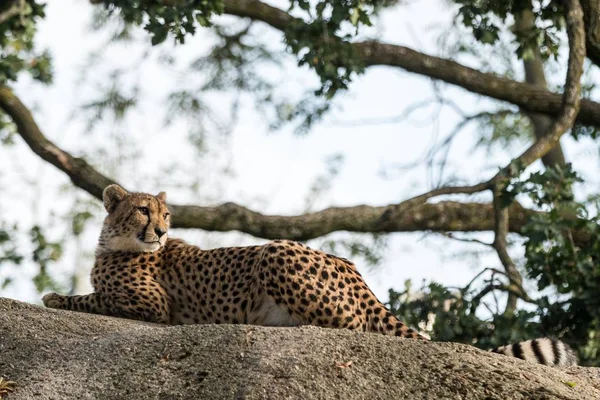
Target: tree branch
(528,97)
(443,216)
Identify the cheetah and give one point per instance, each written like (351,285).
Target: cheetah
(140,273)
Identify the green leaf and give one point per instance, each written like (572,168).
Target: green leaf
(159,36)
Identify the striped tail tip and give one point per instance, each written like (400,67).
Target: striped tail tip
(545,351)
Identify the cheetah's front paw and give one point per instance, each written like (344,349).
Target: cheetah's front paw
(52,300)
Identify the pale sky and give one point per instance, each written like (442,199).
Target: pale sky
(273,171)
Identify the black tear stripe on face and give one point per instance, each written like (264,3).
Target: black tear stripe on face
(160,214)
(143,234)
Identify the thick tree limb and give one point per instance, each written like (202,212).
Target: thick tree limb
(444,216)
(410,216)
(528,97)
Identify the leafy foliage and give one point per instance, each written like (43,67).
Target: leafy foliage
(323,44)
(503,129)
(320,43)
(487,18)
(18,53)
(455,315)
(8,250)
(45,252)
(233,63)
(567,277)
(160,18)
(332,59)
(7,130)
(113,100)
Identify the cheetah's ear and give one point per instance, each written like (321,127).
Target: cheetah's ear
(162,196)
(112,196)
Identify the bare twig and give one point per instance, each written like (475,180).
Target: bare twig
(447,142)
(468,285)
(511,290)
(385,120)
(6,387)
(449,235)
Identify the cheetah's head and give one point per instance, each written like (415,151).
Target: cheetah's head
(135,222)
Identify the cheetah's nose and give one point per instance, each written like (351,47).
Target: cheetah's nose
(160,232)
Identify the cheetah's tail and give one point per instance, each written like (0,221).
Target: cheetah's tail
(383,321)
(545,351)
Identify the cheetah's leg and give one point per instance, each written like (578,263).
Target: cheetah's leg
(324,290)
(114,304)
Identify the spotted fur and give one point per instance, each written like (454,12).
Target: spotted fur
(140,274)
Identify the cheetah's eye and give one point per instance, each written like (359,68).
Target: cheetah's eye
(166,215)
(143,210)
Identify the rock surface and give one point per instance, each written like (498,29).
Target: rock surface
(66,355)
